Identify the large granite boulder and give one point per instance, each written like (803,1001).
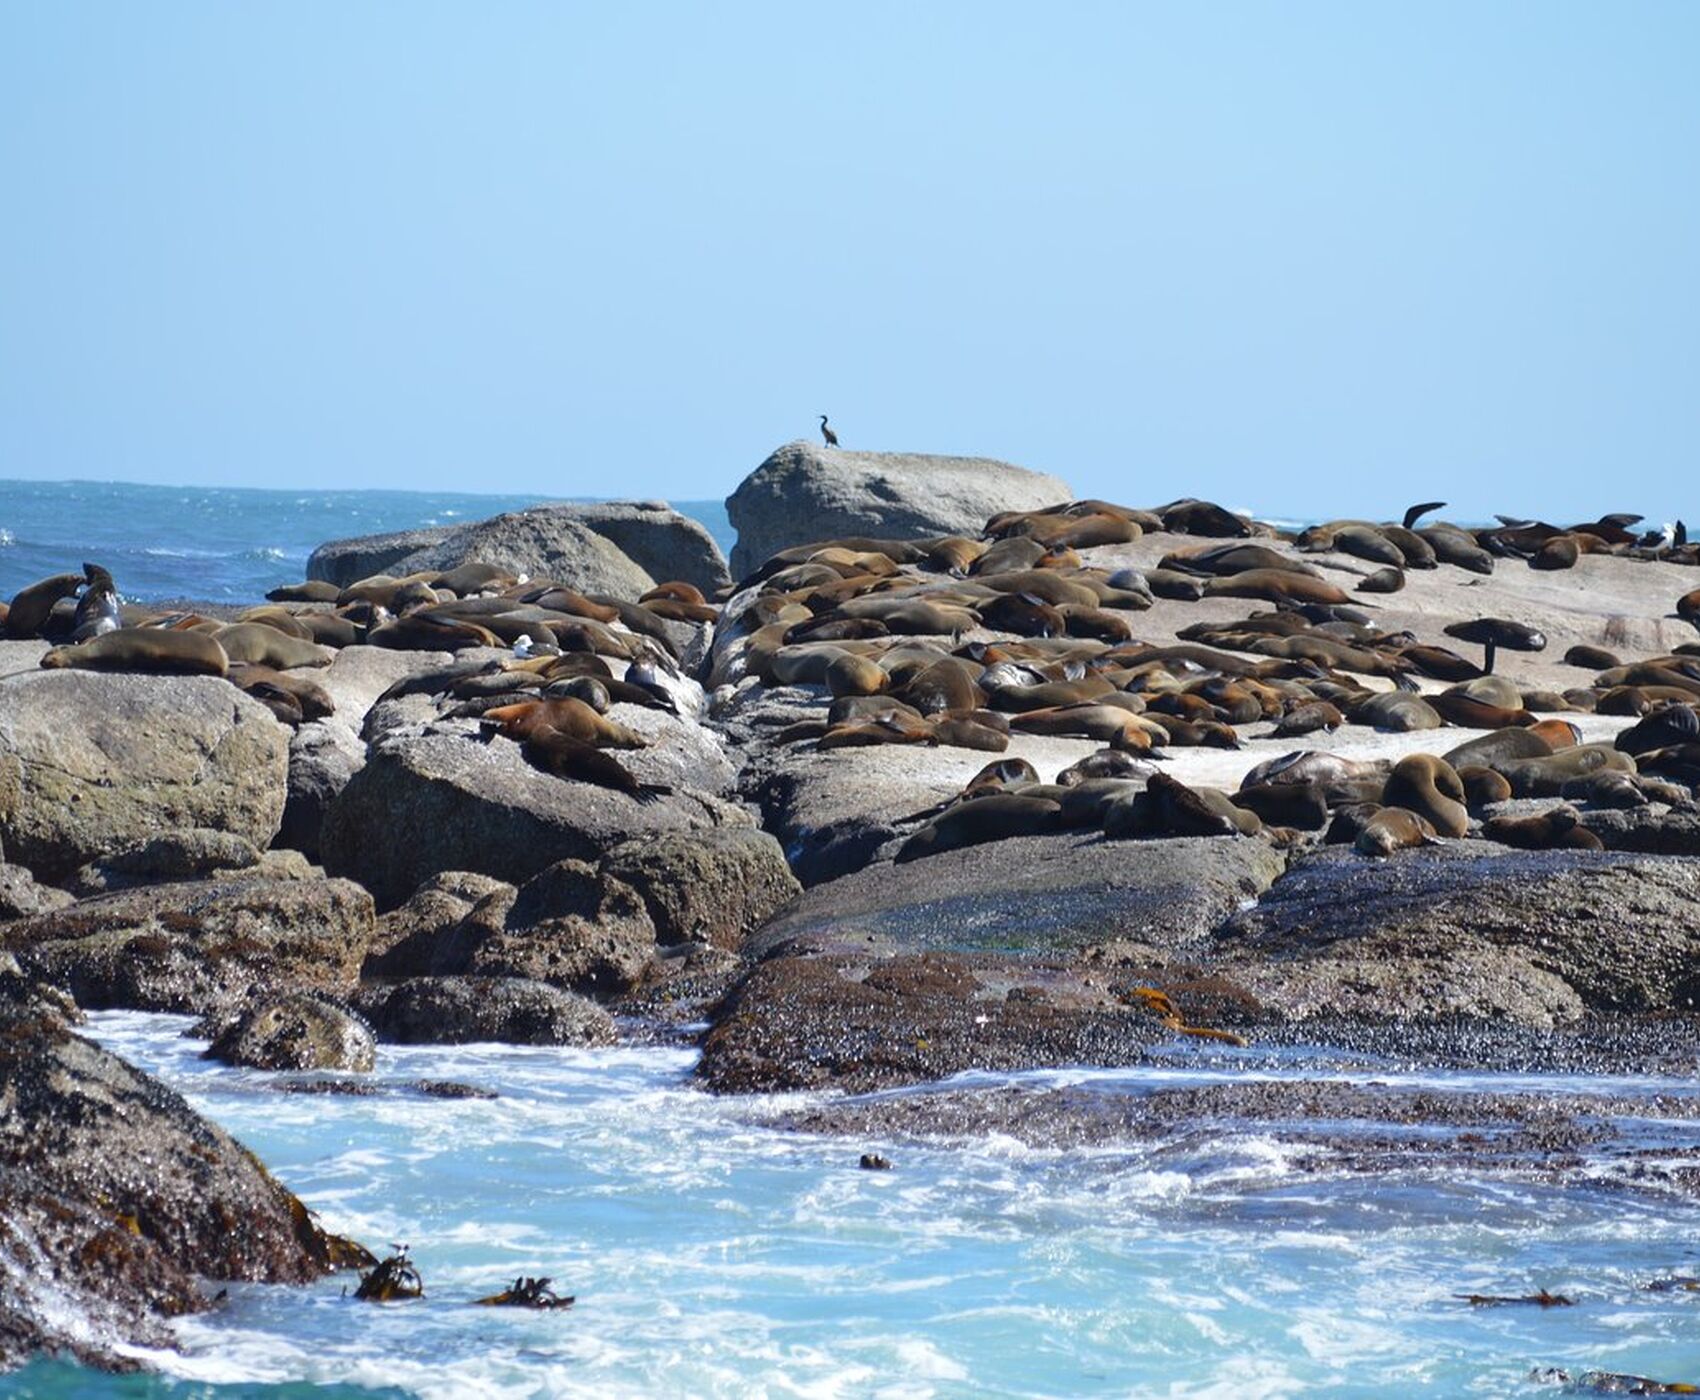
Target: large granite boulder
(347,561)
(713,887)
(413,938)
(505,1010)
(199,945)
(804,492)
(1471,930)
(443,801)
(542,542)
(117,1200)
(659,540)
(92,761)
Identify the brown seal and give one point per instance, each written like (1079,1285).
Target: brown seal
(153,649)
(1393,829)
(31,606)
(1483,787)
(566,716)
(1430,787)
(263,645)
(993,818)
(1557,828)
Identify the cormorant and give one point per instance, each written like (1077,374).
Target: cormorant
(827,433)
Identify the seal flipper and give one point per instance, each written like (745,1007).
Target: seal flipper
(1416,513)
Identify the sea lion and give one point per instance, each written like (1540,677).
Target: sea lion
(1274,586)
(1023,614)
(551,751)
(1606,788)
(1688,607)
(1457,547)
(1483,787)
(31,606)
(1503,745)
(260,645)
(1395,711)
(1467,712)
(1430,787)
(566,716)
(1660,728)
(1560,552)
(1194,517)
(589,689)
(961,731)
(1560,734)
(1170,808)
(1557,828)
(993,818)
(849,674)
(312,591)
(1491,633)
(1308,717)
(1393,829)
(97,609)
(1383,581)
(474,577)
(1546,777)
(151,649)
(1591,658)
(1300,805)
(1106,763)
(1438,663)
(310,700)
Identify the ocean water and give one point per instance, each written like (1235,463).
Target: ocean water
(221,544)
(714,1254)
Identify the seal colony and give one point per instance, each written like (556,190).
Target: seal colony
(1057,784)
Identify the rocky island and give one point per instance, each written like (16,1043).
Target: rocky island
(947,771)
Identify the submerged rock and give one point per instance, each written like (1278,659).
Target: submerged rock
(293,1032)
(458,1010)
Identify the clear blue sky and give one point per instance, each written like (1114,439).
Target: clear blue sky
(1315,259)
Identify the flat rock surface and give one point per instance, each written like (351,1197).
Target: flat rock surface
(1035,895)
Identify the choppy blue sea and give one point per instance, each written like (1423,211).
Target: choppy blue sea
(220,544)
(714,1254)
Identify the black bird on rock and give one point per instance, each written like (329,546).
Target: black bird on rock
(827,433)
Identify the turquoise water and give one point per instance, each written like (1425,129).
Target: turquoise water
(714,1254)
(220,544)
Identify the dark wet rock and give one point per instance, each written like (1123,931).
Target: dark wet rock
(715,886)
(411,939)
(171,855)
(570,926)
(21,992)
(803,493)
(838,1020)
(681,986)
(197,945)
(1336,1126)
(91,762)
(296,1031)
(117,1200)
(1472,930)
(435,802)
(347,561)
(21,896)
(1036,894)
(460,1010)
(541,542)
(366,1089)
(1650,830)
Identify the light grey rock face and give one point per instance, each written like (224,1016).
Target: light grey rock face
(543,542)
(1035,895)
(91,762)
(323,756)
(430,802)
(1472,930)
(296,1032)
(665,544)
(347,561)
(713,887)
(199,945)
(804,492)
(506,1010)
